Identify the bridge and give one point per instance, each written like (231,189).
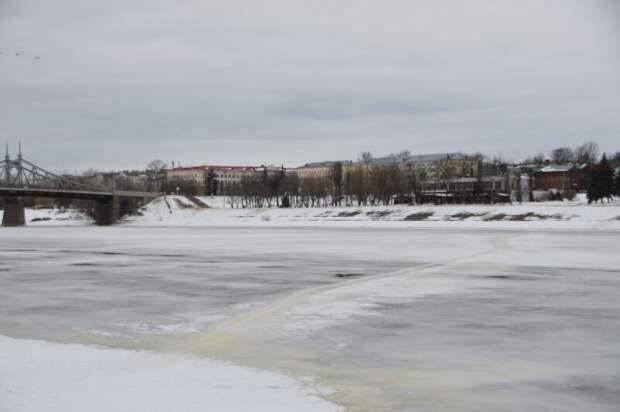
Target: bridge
(20,178)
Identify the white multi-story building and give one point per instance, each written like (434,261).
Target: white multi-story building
(228,176)
(194,174)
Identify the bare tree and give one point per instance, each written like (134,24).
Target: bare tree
(404,156)
(447,172)
(156,174)
(562,155)
(538,159)
(292,188)
(356,184)
(380,185)
(587,153)
(615,160)
(156,165)
(314,189)
(365,158)
(336,179)
(91,172)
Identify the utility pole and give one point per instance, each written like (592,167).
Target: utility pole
(20,169)
(7,166)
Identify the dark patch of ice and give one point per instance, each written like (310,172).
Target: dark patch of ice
(418,216)
(349,214)
(40,219)
(348,275)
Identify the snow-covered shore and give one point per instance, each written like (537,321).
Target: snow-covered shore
(180,211)
(55,217)
(40,376)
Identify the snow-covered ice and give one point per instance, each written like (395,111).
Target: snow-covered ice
(45,377)
(375,318)
(576,215)
(180,211)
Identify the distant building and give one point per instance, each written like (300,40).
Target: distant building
(229,176)
(226,176)
(435,166)
(520,186)
(137,180)
(186,175)
(559,177)
(432,166)
(320,169)
(124,180)
(487,189)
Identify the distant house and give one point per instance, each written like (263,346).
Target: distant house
(197,175)
(559,177)
(228,177)
(432,166)
(487,189)
(320,170)
(437,165)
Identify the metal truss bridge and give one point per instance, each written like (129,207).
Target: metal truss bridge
(20,178)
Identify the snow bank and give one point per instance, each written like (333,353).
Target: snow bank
(55,216)
(179,211)
(39,376)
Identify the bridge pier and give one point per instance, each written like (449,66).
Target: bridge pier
(107,211)
(14,213)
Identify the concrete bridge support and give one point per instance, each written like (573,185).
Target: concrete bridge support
(14,214)
(107,211)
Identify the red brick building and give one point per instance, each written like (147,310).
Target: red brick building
(560,177)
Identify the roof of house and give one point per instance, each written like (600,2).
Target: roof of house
(434,157)
(214,167)
(325,164)
(557,168)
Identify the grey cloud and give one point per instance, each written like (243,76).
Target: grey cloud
(118,84)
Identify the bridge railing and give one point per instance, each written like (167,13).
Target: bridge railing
(21,173)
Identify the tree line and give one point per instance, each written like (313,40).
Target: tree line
(586,153)
(397,181)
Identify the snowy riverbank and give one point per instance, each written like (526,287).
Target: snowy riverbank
(42,376)
(180,211)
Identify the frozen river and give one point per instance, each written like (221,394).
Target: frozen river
(381,319)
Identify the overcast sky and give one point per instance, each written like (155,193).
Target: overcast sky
(117,84)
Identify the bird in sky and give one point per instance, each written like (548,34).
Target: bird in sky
(20,54)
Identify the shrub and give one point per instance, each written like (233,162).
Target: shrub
(569,194)
(555,195)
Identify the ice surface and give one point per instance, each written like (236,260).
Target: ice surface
(46,377)
(390,319)
(139,282)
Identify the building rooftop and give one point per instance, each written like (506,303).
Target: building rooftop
(326,164)
(557,168)
(434,157)
(215,167)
